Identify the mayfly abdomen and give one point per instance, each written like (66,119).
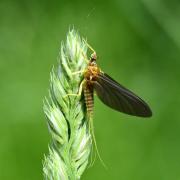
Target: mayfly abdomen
(89,99)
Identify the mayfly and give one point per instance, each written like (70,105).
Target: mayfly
(110,92)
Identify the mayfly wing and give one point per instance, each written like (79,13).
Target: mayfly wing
(120,98)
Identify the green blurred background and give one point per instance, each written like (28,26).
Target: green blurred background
(138,43)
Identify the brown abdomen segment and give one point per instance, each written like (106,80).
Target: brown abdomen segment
(89,99)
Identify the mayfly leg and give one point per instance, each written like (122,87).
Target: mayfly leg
(89,46)
(79,91)
(78,72)
(85,57)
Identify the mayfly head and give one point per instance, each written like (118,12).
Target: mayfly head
(93,57)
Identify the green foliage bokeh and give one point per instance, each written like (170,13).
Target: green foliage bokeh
(138,44)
